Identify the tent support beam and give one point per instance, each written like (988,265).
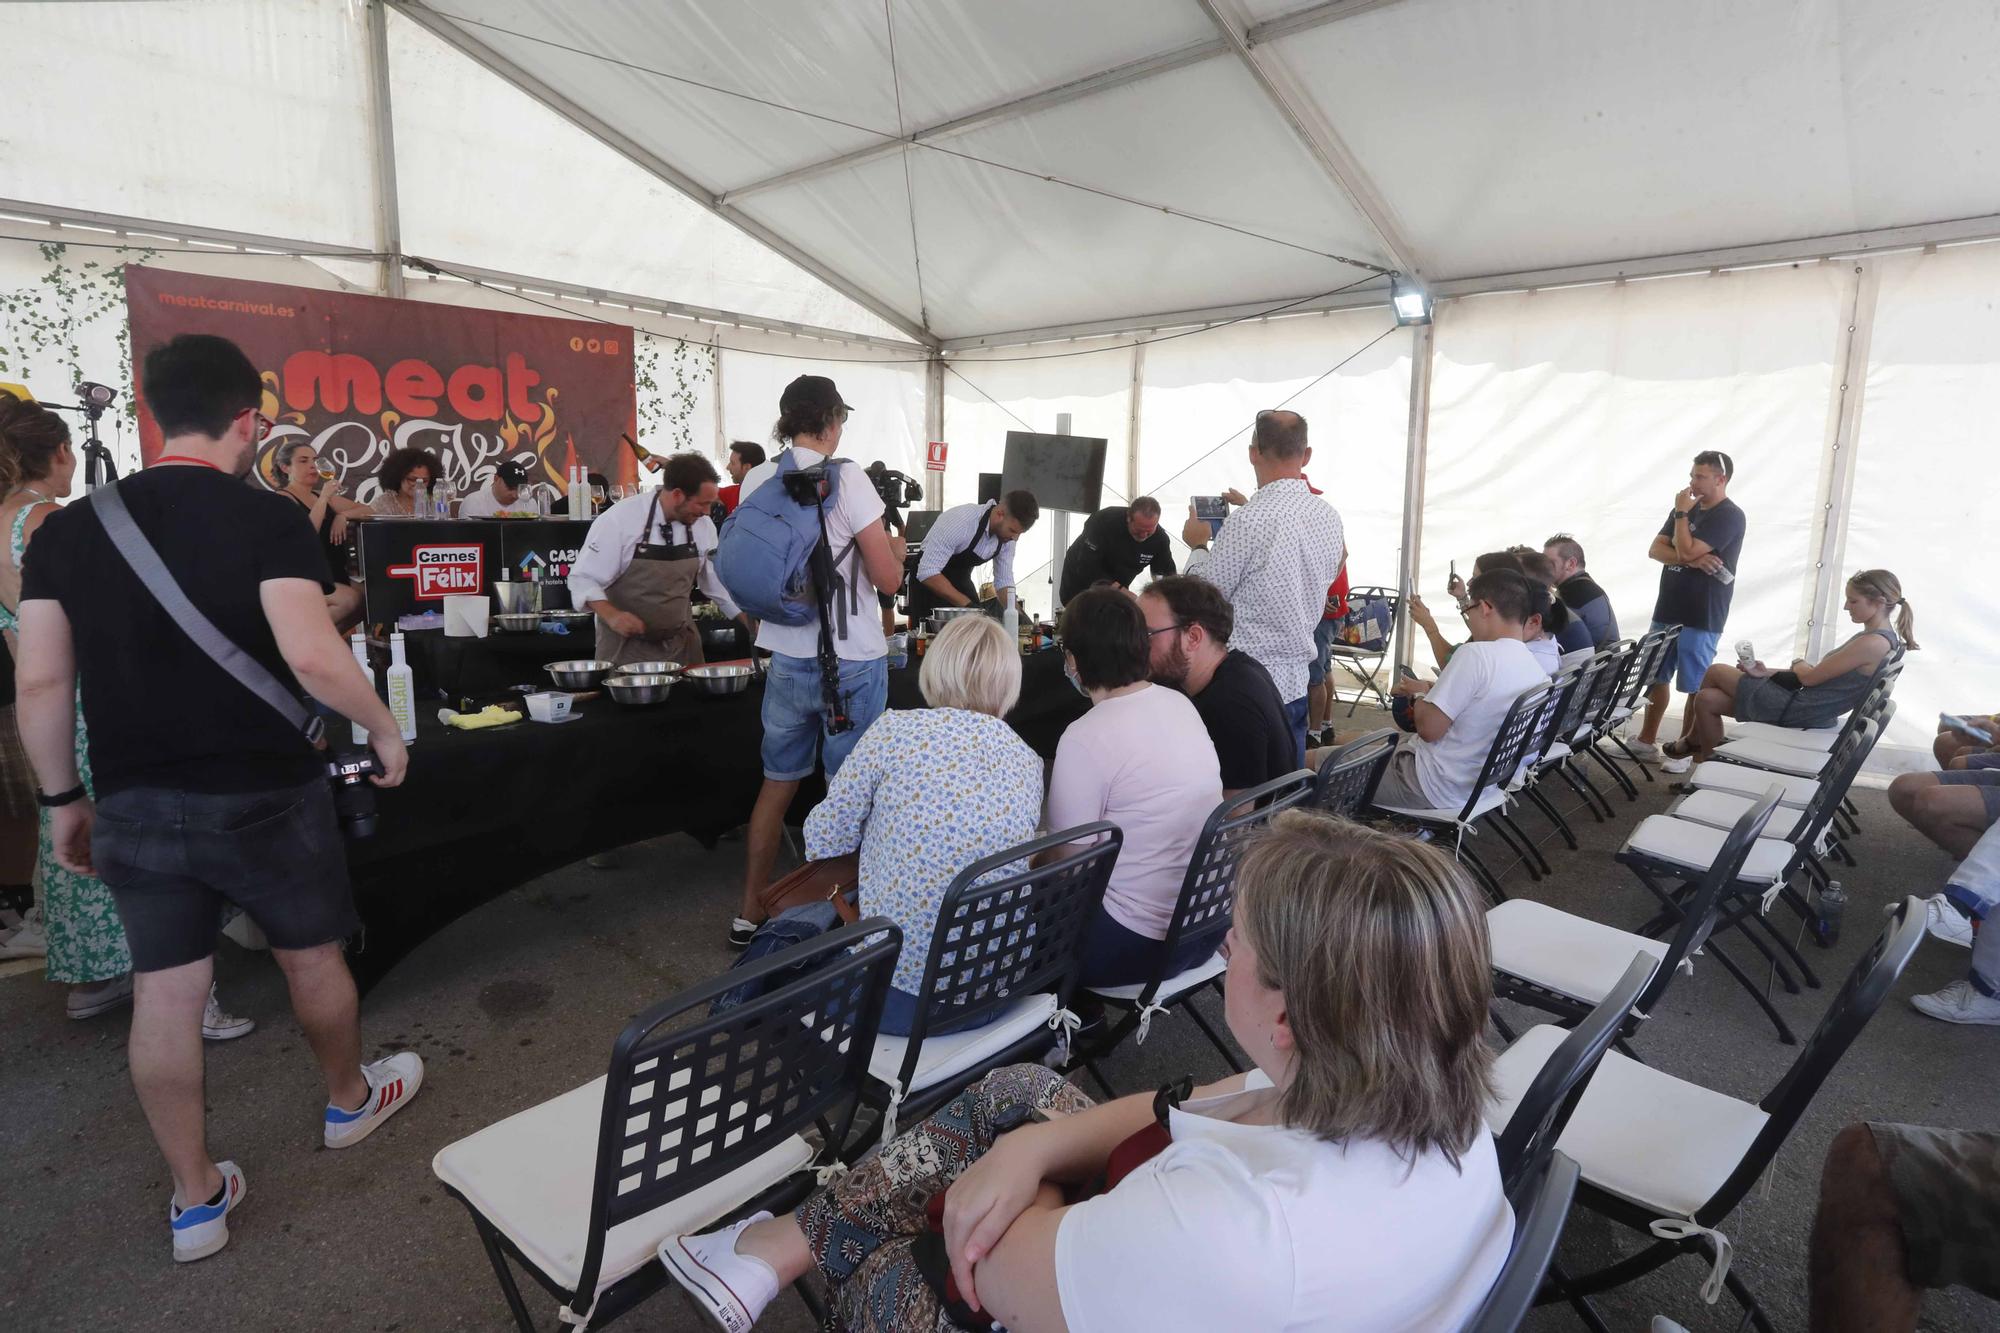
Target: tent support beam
(1836,491)
(1416,458)
(388,212)
(482,54)
(1134,406)
(1312,16)
(1312,129)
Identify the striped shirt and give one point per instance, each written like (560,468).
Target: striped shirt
(965,527)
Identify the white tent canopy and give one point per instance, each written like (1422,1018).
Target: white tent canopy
(979,215)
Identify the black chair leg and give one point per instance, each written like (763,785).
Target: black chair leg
(1235,1065)
(1547,807)
(1501,1026)
(1557,1283)
(1579,782)
(1791,951)
(1754,991)
(1637,762)
(1605,762)
(1517,838)
(501,1270)
(1744,1297)
(1470,859)
(1110,1093)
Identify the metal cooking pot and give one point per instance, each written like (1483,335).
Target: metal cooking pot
(639,690)
(578,674)
(646,669)
(721,679)
(518,622)
(517,598)
(944,615)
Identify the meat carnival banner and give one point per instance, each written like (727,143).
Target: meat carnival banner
(361,376)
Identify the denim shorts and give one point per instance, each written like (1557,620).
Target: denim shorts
(1323,634)
(1694,653)
(795,714)
(172,859)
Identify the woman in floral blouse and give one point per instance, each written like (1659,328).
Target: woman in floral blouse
(928,792)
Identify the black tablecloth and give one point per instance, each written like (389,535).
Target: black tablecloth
(1048,701)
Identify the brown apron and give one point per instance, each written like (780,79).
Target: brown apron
(655,587)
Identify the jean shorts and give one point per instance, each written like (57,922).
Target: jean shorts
(795,714)
(173,858)
(1694,653)
(1322,645)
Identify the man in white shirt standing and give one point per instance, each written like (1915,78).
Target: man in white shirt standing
(498,494)
(643,559)
(963,538)
(811,417)
(1274,560)
(1458,715)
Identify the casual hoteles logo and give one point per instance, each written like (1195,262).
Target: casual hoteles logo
(444,571)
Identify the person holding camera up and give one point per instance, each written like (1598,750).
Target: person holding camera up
(963,538)
(208,785)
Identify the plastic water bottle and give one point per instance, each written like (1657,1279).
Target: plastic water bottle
(420,503)
(1832,905)
(445,496)
(1746,654)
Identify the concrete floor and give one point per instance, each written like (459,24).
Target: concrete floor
(522,999)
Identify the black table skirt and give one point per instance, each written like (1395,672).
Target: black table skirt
(1048,701)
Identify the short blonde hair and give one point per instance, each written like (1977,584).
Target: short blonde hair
(1379,945)
(974,665)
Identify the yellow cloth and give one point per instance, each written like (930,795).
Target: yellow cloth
(493,715)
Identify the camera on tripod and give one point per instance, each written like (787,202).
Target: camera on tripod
(353,793)
(898,490)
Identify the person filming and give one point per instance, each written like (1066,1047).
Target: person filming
(962,539)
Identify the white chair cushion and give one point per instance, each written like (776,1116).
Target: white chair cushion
(1721,810)
(1753,782)
(955,1052)
(1684,843)
(1642,1135)
(1799,738)
(1773,756)
(1570,955)
(1172,989)
(1489,800)
(531,1176)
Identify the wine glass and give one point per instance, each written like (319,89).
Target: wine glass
(327,471)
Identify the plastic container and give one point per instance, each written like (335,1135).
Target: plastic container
(402,690)
(1832,906)
(1746,654)
(550,706)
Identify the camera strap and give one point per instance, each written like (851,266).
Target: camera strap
(138,553)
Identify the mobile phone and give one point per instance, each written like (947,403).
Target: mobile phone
(1965,728)
(1212,510)
(1404,673)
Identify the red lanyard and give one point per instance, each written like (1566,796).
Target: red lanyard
(185,458)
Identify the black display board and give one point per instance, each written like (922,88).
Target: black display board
(412,565)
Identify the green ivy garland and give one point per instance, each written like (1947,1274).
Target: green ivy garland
(670,409)
(51,314)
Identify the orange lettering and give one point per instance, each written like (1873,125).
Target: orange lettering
(413,387)
(329,378)
(520,379)
(491,393)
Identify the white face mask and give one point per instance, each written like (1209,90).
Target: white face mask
(1070,673)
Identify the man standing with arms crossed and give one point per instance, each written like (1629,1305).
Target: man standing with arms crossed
(1699,545)
(211,795)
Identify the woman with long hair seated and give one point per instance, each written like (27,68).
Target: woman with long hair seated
(405,473)
(1348,1181)
(329,512)
(1807,694)
(927,792)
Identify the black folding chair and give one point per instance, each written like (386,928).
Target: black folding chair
(1553,753)
(1364,664)
(1347,777)
(1489,795)
(1672,1159)
(1202,916)
(1008,950)
(693,1123)
(1654,647)
(1617,662)
(1541,1208)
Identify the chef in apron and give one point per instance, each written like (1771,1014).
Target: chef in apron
(641,563)
(964,538)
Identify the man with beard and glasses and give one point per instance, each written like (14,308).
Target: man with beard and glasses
(1188,621)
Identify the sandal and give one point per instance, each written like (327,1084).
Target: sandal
(1678,750)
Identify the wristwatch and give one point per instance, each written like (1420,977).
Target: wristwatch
(48,802)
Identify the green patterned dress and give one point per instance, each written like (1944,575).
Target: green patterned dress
(86,938)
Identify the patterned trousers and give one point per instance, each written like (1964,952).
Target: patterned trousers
(861,1230)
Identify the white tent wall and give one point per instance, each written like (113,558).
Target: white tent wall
(1924,487)
(1581,410)
(887,395)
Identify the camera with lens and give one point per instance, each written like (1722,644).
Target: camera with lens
(353,794)
(898,490)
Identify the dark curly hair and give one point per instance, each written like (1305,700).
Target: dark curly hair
(30,438)
(403,462)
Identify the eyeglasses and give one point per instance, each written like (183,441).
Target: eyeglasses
(264,424)
(1167,629)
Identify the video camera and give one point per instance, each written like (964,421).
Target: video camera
(898,490)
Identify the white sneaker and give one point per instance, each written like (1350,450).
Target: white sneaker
(27,940)
(1944,921)
(391,1083)
(1646,754)
(731,1289)
(1959,1003)
(203,1229)
(217,1025)
(1669,764)
(102,998)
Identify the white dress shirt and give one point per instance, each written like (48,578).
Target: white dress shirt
(607,551)
(960,528)
(855,507)
(1273,560)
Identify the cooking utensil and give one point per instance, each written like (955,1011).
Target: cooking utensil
(721,679)
(550,706)
(944,615)
(647,669)
(517,598)
(639,690)
(518,622)
(578,674)
(570,618)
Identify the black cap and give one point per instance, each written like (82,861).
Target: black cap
(511,473)
(811,391)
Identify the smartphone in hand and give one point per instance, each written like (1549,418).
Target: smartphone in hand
(1212,510)
(1964,728)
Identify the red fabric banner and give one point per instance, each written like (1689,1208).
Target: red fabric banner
(360,376)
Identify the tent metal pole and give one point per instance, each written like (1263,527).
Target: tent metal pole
(1133,409)
(934,425)
(388,211)
(1836,491)
(715,373)
(1415,459)
(629,148)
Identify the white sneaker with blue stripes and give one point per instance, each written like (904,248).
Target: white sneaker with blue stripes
(392,1081)
(203,1229)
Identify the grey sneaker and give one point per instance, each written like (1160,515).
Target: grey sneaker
(1644,753)
(1959,1003)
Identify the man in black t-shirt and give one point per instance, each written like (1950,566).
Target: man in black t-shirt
(204,792)
(1189,621)
(1699,545)
(1117,544)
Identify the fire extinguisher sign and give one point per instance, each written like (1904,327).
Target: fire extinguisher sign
(934,459)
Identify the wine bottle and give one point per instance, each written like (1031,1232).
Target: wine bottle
(642,453)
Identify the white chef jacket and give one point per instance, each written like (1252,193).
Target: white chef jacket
(607,550)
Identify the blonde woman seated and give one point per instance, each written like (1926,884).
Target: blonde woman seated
(1346,1182)
(1808,694)
(927,792)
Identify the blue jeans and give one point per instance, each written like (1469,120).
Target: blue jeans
(795,714)
(1295,716)
(1117,955)
(1322,645)
(899,1015)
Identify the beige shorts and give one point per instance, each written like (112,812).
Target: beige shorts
(1947,1188)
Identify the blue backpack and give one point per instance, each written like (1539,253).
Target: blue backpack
(765,553)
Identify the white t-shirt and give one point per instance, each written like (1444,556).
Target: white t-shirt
(1144,762)
(855,506)
(1475,690)
(482,503)
(1260,1227)
(1548,653)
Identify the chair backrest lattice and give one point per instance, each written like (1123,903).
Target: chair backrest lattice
(1653,648)
(1624,667)
(1347,777)
(1510,743)
(1595,679)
